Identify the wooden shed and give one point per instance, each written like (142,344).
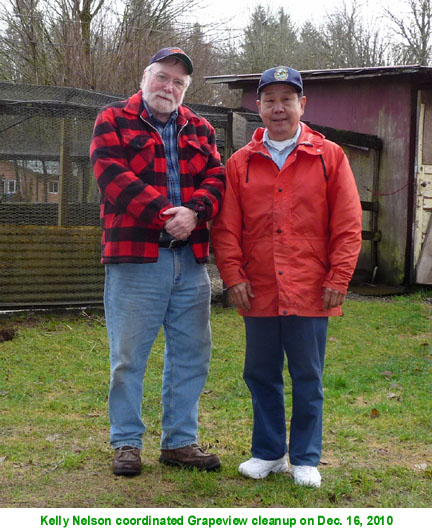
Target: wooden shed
(382,117)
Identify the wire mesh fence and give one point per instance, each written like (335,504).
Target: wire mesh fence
(49,201)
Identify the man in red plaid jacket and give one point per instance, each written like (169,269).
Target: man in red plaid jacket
(161,180)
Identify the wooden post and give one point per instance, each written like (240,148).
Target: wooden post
(91,185)
(65,172)
(228,147)
(228,150)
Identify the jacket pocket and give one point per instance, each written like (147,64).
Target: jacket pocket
(196,157)
(140,152)
(137,142)
(258,262)
(319,251)
(247,253)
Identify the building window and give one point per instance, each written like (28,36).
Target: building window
(53,186)
(11,186)
(3,186)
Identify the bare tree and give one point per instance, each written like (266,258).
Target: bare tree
(84,12)
(21,55)
(123,48)
(70,27)
(48,41)
(126,45)
(85,43)
(351,40)
(414,27)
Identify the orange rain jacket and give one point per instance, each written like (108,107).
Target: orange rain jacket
(289,232)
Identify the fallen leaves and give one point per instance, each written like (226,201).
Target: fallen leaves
(375,413)
(52,437)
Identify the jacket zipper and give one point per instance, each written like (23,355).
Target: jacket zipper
(154,128)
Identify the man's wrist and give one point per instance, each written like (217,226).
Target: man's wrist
(193,211)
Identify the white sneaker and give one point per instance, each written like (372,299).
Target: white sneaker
(257,468)
(306,476)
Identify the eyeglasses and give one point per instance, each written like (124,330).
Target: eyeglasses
(164,80)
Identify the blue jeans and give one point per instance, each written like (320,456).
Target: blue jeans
(139,299)
(303,339)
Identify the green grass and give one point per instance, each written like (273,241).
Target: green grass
(377,452)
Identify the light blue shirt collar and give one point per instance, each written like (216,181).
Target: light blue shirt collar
(279,157)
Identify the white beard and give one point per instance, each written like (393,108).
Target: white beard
(166,105)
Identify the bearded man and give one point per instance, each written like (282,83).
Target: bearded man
(161,180)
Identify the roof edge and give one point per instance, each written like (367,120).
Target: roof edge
(347,73)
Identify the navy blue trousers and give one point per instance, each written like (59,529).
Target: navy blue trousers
(303,340)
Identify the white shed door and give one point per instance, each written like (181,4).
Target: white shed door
(423,187)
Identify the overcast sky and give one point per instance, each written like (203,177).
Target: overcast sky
(236,13)
(240,10)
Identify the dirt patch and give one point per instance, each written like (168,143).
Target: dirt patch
(30,319)
(7,334)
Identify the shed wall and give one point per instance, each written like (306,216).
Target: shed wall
(381,107)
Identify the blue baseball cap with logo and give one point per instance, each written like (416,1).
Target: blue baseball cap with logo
(281,74)
(173,52)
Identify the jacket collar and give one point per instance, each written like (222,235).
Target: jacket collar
(135,105)
(309,141)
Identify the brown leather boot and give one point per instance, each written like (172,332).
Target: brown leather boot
(190,456)
(127,461)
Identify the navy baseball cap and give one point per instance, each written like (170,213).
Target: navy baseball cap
(281,74)
(173,52)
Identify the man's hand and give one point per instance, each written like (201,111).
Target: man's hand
(332,298)
(240,294)
(182,222)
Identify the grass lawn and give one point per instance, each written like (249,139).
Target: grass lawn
(377,452)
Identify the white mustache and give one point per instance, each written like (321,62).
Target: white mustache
(165,95)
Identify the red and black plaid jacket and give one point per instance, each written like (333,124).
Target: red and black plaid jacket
(130,167)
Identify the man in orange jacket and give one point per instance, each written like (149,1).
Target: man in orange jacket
(286,244)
